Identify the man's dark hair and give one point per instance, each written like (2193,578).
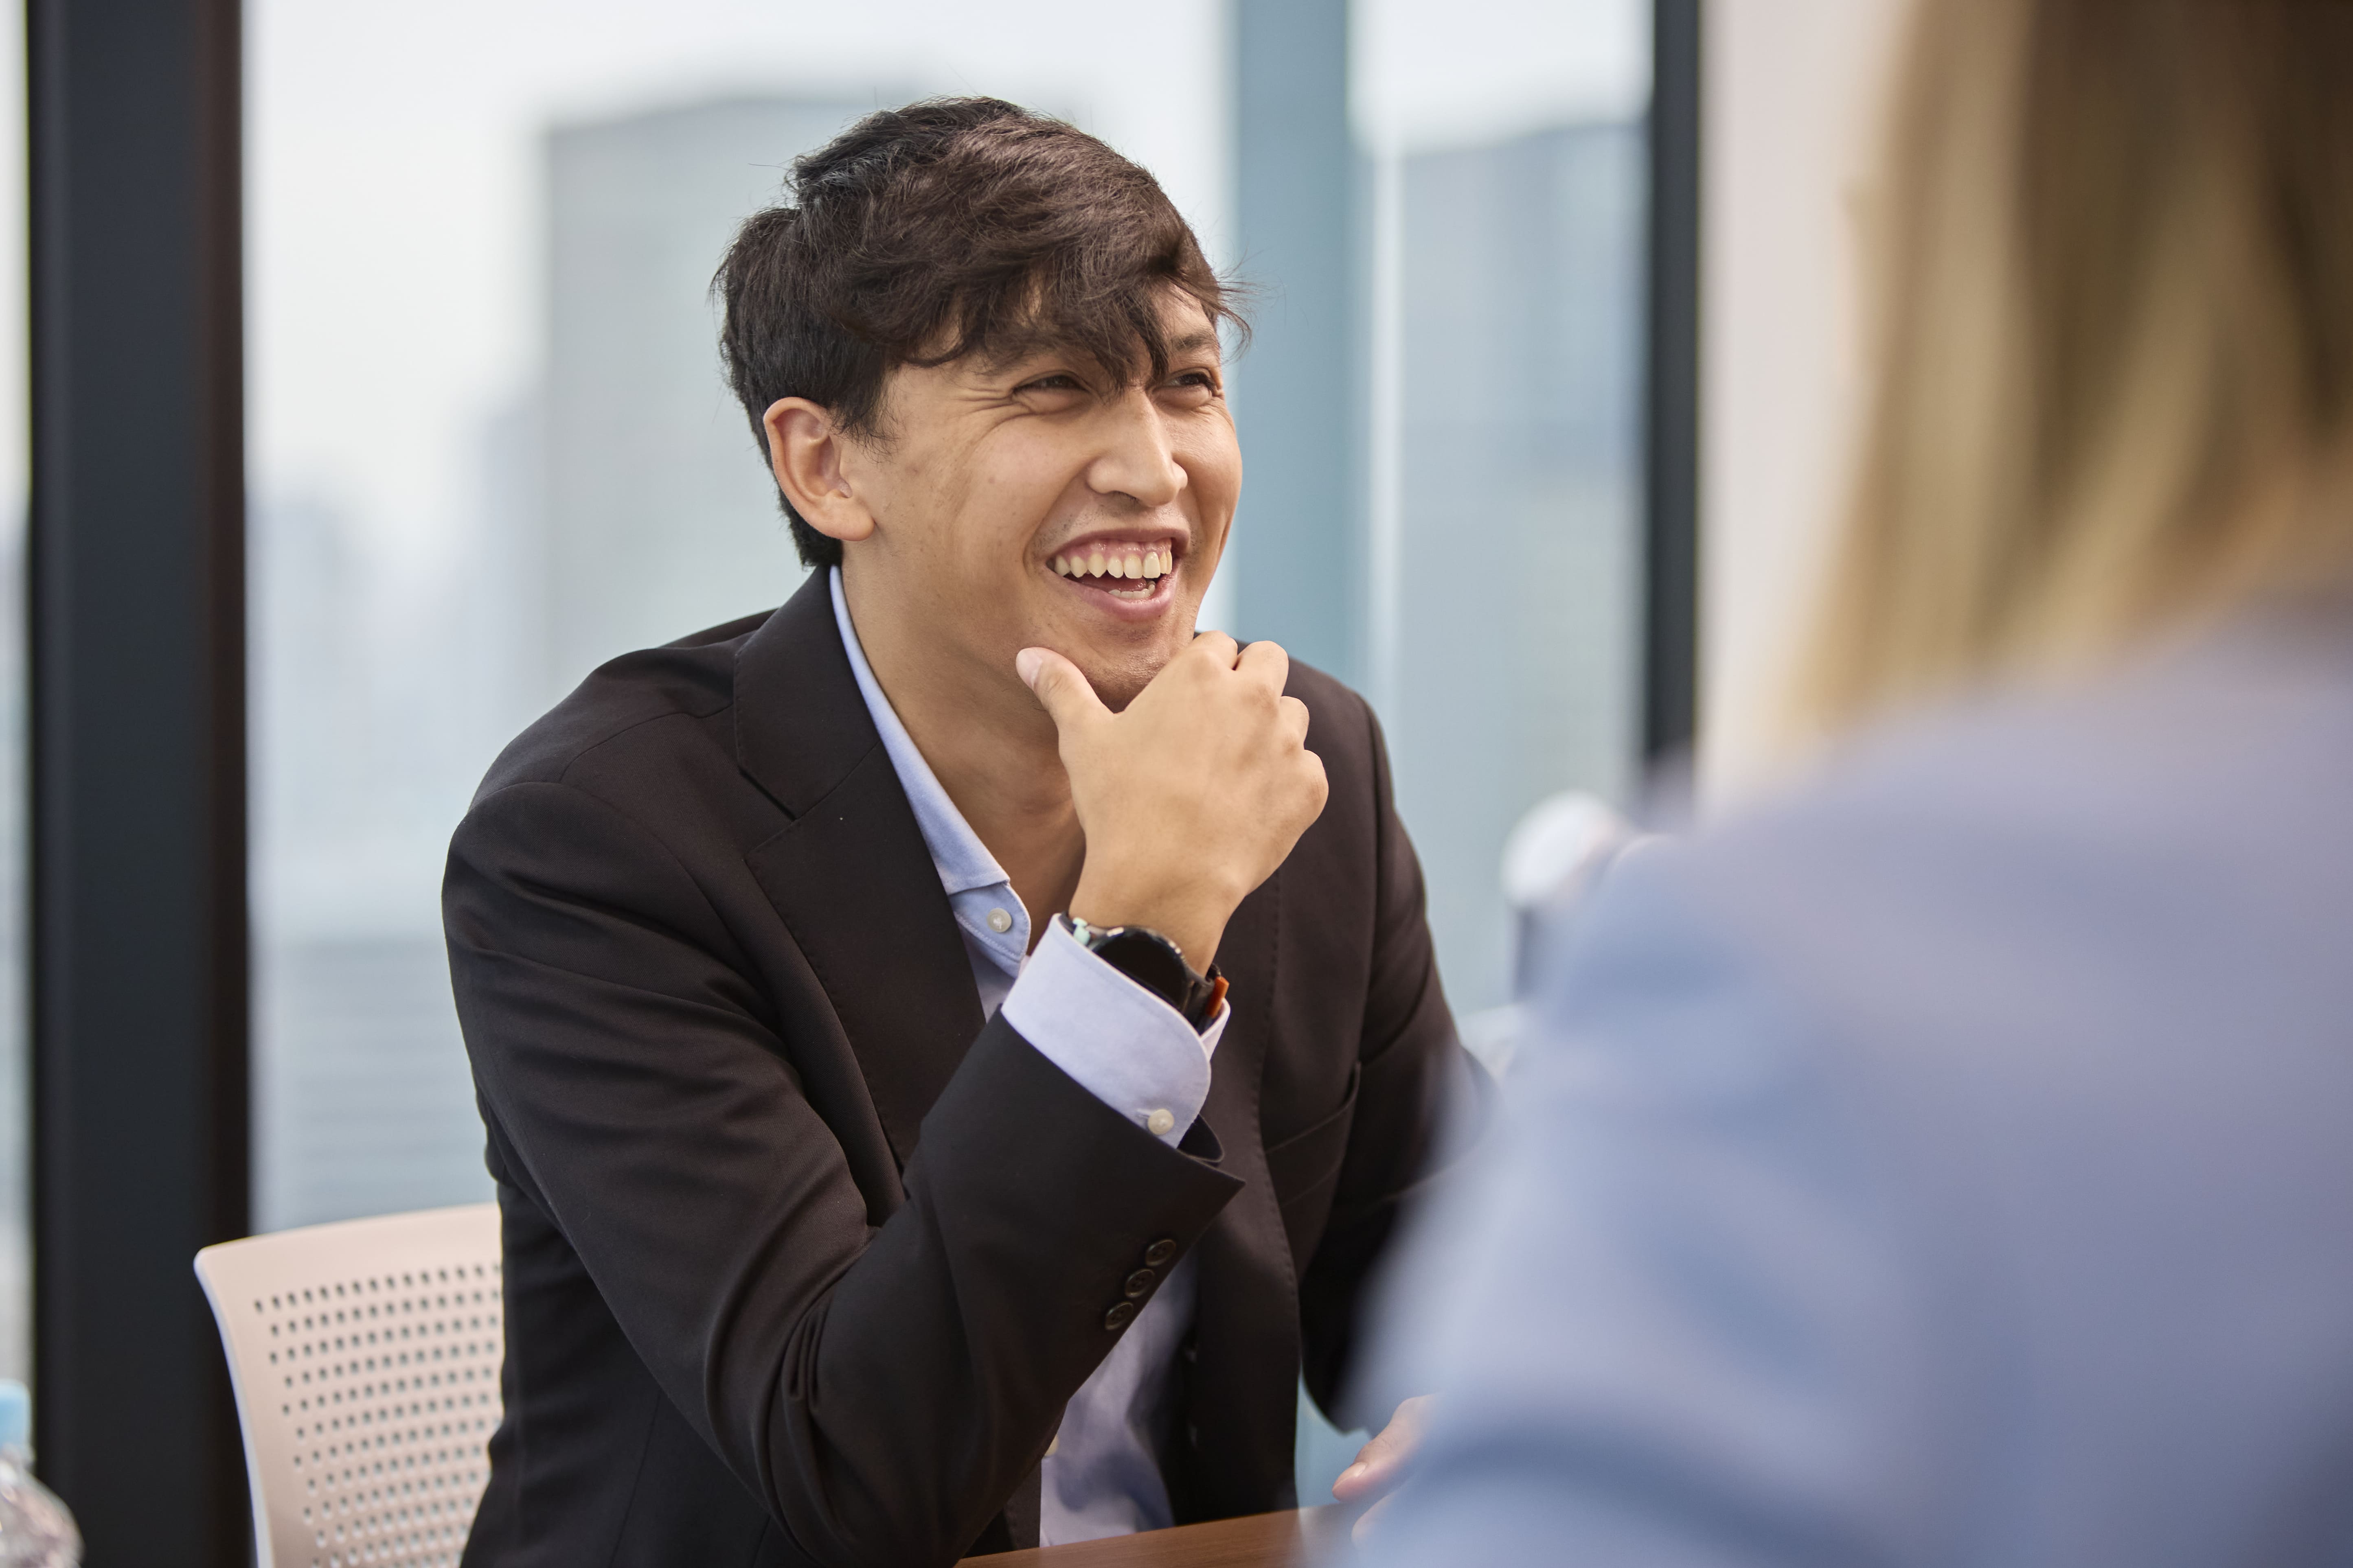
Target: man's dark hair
(954,227)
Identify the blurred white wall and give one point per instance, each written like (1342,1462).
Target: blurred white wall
(1793,94)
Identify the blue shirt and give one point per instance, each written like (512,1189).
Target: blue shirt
(1128,1048)
(1949,1167)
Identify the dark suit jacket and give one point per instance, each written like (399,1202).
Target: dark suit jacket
(803,1260)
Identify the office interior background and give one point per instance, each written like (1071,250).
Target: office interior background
(487,443)
(540,467)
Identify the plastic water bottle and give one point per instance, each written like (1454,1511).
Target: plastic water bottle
(35,1530)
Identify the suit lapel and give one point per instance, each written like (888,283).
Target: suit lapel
(850,876)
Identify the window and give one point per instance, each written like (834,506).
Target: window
(1505,527)
(489,447)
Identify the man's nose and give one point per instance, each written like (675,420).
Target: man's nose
(1136,458)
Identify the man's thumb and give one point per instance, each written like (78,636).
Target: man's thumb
(1059,687)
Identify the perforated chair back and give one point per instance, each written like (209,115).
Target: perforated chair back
(365,1359)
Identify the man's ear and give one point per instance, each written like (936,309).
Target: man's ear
(805,453)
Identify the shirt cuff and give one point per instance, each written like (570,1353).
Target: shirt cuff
(1125,1045)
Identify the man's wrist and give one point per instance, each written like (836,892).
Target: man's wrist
(1194,930)
(1149,958)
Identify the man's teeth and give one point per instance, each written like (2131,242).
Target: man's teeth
(1135,561)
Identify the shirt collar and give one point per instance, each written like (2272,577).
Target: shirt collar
(961,860)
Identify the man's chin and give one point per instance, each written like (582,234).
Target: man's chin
(1117,692)
(1119,673)
(1119,682)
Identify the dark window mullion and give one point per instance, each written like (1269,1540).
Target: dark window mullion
(137,823)
(1670,661)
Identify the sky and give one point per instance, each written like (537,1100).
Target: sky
(393,205)
(1437,73)
(392,214)
(393,210)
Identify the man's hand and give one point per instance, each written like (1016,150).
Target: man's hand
(1381,1463)
(1191,798)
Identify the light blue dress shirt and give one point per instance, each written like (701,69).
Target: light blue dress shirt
(1949,1167)
(1132,1051)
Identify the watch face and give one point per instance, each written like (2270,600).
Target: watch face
(1150,961)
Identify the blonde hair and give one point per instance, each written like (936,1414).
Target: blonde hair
(2113,342)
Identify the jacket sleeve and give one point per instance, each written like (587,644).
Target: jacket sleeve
(1413,1075)
(882,1389)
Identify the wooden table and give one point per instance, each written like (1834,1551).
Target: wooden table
(1262,1540)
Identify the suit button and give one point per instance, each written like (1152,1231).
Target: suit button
(1116,1319)
(1159,1252)
(1139,1282)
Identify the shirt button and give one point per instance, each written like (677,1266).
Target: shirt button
(1116,1319)
(999,921)
(1138,1284)
(1159,1122)
(1160,1252)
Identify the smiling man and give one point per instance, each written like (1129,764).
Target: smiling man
(952,1047)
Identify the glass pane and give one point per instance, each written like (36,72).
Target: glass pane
(1504,515)
(490,446)
(1508,212)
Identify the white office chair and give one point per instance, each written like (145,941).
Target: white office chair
(365,1359)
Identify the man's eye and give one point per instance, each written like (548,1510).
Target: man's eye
(1196,379)
(1055,383)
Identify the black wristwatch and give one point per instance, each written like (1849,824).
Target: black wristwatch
(1155,962)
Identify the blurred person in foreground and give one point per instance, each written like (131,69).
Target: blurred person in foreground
(953,1047)
(1952,1162)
